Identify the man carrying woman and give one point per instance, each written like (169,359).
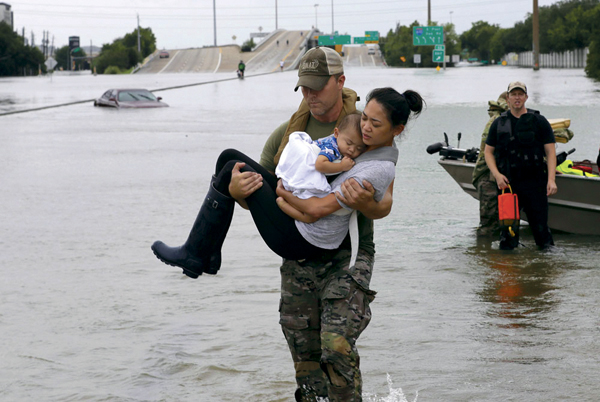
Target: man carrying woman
(324,301)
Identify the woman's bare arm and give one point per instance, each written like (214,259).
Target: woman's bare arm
(315,207)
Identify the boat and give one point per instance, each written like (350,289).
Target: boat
(575,208)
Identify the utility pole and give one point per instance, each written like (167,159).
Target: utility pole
(215,20)
(275,14)
(428,12)
(139,41)
(536,36)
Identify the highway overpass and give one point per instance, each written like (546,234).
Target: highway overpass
(288,46)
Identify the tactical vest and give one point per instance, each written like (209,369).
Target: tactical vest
(521,153)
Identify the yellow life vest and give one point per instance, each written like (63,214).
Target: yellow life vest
(567,168)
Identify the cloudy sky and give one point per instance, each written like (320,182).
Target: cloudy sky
(189,23)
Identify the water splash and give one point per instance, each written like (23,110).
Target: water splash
(395,395)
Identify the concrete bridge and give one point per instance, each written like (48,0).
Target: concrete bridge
(288,46)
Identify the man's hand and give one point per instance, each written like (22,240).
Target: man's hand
(243,184)
(551,188)
(501,180)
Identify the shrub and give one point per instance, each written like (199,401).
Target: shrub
(112,70)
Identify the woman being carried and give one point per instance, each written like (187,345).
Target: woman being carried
(384,118)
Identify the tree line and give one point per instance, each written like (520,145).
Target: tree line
(119,56)
(122,55)
(15,57)
(566,25)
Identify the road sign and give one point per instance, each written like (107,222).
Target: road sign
(359,39)
(417,58)
(50,63)
(428,36)
(372,35)
(438,56)
(440,47)
(332,40)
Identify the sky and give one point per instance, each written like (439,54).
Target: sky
(184,24)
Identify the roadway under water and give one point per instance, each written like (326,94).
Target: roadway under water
(88,313)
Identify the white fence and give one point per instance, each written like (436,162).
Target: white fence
(570,59)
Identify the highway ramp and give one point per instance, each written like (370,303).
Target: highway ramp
(281,45)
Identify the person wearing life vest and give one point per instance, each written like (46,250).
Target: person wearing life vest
(515,149)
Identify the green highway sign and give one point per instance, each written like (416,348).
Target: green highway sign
(438,56)
(332,40)
(440,47)
(428,36)
(372,35)
(359,39)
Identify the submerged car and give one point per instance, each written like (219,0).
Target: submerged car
(129,98)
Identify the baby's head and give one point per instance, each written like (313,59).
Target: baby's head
(349,136)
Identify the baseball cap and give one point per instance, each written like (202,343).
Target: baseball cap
(316,66)
(515,85)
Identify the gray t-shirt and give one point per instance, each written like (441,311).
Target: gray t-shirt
(329,231)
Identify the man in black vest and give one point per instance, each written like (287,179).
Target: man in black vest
(515,149)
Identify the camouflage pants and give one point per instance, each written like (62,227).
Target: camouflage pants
(487,189)
(323,310)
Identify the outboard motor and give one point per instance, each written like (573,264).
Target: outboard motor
(448,152)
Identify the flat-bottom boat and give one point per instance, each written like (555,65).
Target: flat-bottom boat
(575,208)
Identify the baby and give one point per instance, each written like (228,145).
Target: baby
(304,162)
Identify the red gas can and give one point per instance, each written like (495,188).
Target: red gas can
(508,210)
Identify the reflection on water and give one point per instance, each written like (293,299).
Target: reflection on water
(517,288)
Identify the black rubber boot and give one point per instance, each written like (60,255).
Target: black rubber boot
(202,250)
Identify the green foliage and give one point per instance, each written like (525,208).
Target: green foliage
(15,57)
(61,55)
(248,45)
(112,70)
(592,68)
(123,54)
(147,41)
(479,40)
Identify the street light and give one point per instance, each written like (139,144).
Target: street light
(316,24)
(332,28)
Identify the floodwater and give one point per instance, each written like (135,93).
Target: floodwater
(88,313)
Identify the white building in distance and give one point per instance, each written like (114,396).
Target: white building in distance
(5,14)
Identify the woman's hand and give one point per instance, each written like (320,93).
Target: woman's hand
(362,199)
(356,197)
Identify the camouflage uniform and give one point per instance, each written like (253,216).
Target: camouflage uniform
(323,310)
(484,181)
